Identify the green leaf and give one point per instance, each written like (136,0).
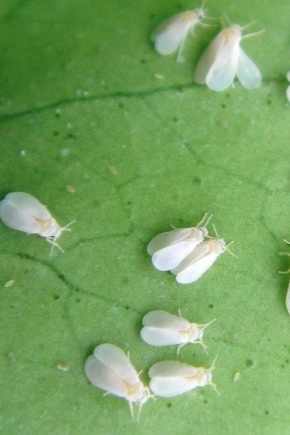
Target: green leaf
(104,131)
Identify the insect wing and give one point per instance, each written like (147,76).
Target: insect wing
(162,337)
(222,73)
(197,269)
(168,258)
(170,378)
(208,57)
(169,387)
(171,369)
(101,376)
(166,239)
(164,329)
(118,362)
(162,319)
(170,34)
(28,204)
(198,253)
(19,210)
(247,72)
(218,66)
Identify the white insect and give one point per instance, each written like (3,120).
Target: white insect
(171,33)
(172,378)
(224,59)
(111,370)
(22,212)
(169,249)
(199,261)
(288,298)
(165,329)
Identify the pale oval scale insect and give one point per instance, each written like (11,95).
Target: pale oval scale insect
(23,212)
(172,378)
(199,261)
(165,329)
(169,249)
(171,33)
(110,369)
(224,59)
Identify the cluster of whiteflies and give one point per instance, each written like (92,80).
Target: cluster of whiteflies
(110,369)
(185,252)
(222,60)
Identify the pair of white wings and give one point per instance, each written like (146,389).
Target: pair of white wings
(171,378)
(171,33)
(163,329)
(22,212)
(111,370)
(169,249)
(222,61)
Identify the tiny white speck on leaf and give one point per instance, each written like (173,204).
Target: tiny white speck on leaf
(9,283)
